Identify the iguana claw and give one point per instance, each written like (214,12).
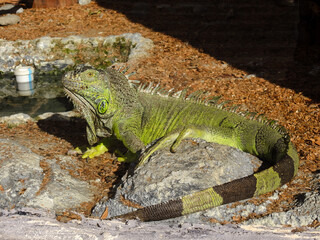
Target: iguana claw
(95,151)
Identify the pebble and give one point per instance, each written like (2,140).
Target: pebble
(9,19)
(20,10)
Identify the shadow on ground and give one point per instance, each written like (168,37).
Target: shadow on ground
(72,130)
(277,40)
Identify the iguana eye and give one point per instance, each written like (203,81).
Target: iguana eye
(102,106)
(89,75)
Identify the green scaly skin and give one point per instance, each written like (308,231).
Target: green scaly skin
(111,106)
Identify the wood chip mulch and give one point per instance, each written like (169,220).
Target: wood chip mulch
(175,64)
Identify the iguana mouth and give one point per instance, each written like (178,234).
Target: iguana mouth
(80,102)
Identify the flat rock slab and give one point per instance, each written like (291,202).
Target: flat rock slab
(38,224)
(195,166)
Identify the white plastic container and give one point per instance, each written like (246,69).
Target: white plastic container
(24,77)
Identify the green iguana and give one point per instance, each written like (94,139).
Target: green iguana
(138,116)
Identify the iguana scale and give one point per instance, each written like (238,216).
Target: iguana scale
(139,116)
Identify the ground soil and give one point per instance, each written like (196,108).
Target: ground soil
(176,64)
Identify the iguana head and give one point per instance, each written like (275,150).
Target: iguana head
(89,91)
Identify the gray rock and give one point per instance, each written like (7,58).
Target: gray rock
(20,10)
(164,176)
(20,174)
(9,19)
(141,46)
(250,76)
(44,44)
(24,183)
(6,7)
(16,119)
(170,175)
(304,213)
(62,187)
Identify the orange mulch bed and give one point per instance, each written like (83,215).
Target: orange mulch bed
(177,64)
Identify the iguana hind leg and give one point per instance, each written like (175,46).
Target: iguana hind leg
(173,139)
(185,133)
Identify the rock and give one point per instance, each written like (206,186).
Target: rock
(141,46)
(62,186)
(198,166)
(9,19)
(6,7)
(20,10)
(29,180)
(170,175)
(16,119)
(44,44)
(7,87)
(53,55)
(20,174)
(305,212)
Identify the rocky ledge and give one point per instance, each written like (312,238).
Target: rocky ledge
(48,54)
(196,165)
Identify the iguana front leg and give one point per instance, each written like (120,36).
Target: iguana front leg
(173,139)
(127,135)
(120,132)
(132,143)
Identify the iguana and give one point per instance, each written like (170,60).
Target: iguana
(138,116)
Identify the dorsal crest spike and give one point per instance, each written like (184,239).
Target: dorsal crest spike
(214,99)
(155,89)
(222,104)
(125,70)
(234,108)
(149,87)
(177,94)
(183,93)
(196,96)
(130,74)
